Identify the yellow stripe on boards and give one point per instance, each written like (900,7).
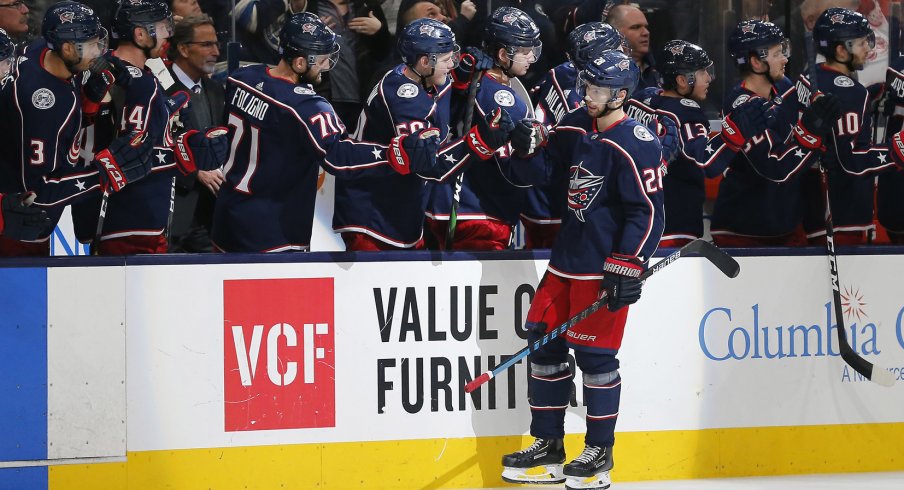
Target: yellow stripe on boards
(475,462)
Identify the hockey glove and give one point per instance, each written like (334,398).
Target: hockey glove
(195,150)
(126,160)
(744,122)
(817,122)
(621,281)
(20,221)
(114,66)
(472,61)
(489,134)
(896,145)
(95,89)
(528,135)
(414,153)
(664,127)
(178,106)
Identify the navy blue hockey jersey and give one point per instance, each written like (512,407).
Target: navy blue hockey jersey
(280,134)
(615,198)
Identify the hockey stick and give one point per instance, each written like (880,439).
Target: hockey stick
(879,376)
(459,179)
(102,215)
(724,262)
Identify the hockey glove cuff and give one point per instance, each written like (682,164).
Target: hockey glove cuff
(528,136)
(621,281)
(125,161)
(817,121)
(195,150)
(414,153)
(896,145)
(489,134)
(744,122)
(20,221)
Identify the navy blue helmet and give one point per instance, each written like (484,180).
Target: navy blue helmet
(70,22)
(511,28)
(428,37)
(588,40)
(304,34)
(755,36)
(613,70)
(148,14)
(682,58)
(838,25)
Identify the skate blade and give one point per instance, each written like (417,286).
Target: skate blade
(599,481)
(538,475)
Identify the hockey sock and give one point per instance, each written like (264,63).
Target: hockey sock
(549,388)
(602,393)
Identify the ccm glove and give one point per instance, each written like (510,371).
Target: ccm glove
(817,121)
(744,122)
(472,61)
(414,153)
(489,134)
(621,281)
(196,150)
(126,160)
(667,131)
(528,135)
(20,221)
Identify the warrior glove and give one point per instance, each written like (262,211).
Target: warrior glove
(744,122)
(621,281)
(817,122)
(196,150)
(20,221)
(489,134)
(414,153)
(126,160)
(528,136)
(472,61)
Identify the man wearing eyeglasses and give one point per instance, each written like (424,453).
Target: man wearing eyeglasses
(194,50)
(14,18)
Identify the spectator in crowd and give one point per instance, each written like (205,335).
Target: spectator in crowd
(258,23)
(632,23)
(185,8)
(14,18)
(194,50)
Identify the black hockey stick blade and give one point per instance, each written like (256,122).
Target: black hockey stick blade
(724,262)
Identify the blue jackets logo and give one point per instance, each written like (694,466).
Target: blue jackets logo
(582,189)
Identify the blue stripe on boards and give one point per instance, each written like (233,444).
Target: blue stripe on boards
(30,478)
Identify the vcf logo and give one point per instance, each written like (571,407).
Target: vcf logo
(279,356)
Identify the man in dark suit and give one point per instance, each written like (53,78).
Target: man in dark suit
(194,50)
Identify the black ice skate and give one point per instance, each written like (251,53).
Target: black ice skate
(590,470)
(539,463)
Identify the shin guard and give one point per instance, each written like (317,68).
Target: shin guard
(549,391)
(602,393)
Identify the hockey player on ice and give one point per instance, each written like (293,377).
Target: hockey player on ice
(612,227)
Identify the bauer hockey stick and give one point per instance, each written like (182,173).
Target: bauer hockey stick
(869,371)
(459,179)
(724,262)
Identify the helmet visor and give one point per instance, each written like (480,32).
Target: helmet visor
(163,28)
(326,62)
(449,60)
(93,48)
(587,90)
(525,54)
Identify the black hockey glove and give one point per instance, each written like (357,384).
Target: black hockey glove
(744,122)
(415,152)
(20,221)
(817,122)
(528,135)
(196,150)
(116,67)
(621,281)
(126,160)
(489,134)
(667,131)
(472,61)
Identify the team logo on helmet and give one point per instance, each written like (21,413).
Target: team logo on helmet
(676,50)
(426,29)
(67,17)
(589,36)
(623,65)
(308,28)
(747,29)
(509,18)
(582,189)
(835,19)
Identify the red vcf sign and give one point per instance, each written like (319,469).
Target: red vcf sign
(279,354)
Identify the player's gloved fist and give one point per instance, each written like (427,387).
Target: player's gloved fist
(472,61)
(490,133)
(20,221)
(621,281)
(97,86)
(126,160)
(414,153)
(817,121)
(528,135)
(114,66)
(667,131)
(744,122)
(196,150)
(178,106)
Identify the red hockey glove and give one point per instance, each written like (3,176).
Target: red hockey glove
(817,121)
(195,150)
(528,135)
(621,281)
(489,134)
(744,122)
(896,145)
(126,160)
(414,153)
(20,221)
